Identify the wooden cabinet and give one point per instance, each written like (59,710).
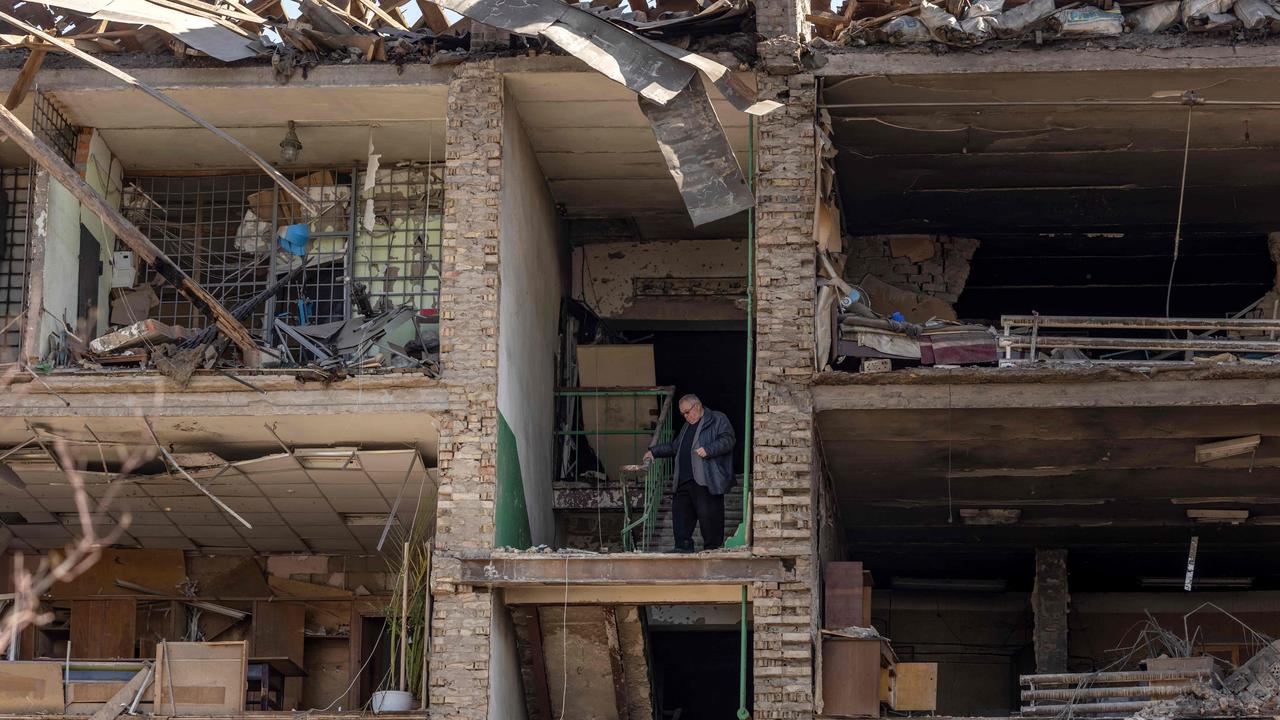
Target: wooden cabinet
(104,629)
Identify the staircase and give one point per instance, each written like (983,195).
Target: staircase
(663,535)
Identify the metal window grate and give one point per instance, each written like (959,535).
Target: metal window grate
(399,259)
(50,124)
(16,187)
(222,230)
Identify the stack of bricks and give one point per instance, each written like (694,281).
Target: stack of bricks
(459,671)
(783,473)
(936,265)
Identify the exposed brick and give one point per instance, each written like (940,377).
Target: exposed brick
(784,614)
(467,458)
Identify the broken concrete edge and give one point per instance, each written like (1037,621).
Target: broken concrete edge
(1053,373)
(513,568)
(212,381)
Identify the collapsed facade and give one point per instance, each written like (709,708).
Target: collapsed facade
(995,339)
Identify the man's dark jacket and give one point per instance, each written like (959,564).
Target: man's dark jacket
(715,435)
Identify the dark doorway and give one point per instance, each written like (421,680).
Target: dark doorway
(697,673)
(711,364)
(90,273)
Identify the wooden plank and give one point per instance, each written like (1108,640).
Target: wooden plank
(124,697)
(160,569)
(376,10)
(279,630)
(104,629)
(432,16)
(257,159)
(18,92)
(66,175)
(617,668)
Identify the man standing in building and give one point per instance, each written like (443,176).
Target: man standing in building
(703,474)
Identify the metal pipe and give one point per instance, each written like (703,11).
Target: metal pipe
(1047,103)
(1059,710)
(1114,677)
(1109,691)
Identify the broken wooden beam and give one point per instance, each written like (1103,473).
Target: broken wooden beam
(48,158)
(541,692)
(617,667)
(125,695)
(26,76)
(293,190)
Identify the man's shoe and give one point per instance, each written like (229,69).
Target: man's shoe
(680,551)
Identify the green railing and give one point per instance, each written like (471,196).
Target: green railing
(652,478)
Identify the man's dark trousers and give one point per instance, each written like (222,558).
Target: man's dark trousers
(694,503)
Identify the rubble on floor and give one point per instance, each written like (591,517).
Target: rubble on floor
(314,31)
(969,23)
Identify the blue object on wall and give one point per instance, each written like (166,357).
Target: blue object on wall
(294,239)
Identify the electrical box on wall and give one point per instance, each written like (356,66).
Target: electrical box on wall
(122,270)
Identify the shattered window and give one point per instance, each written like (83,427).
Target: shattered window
(15,184)
(235,235)
(397,254)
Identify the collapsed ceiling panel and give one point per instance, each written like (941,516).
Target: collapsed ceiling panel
(289,507)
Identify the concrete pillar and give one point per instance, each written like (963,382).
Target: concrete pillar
(462,615)
(783,507)
(1049,600)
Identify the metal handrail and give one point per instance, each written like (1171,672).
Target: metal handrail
(656,474)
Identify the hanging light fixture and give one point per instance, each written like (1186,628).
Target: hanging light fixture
(290,146)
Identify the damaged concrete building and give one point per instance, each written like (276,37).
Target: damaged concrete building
(335,334)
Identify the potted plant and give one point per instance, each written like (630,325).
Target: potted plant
(408,617)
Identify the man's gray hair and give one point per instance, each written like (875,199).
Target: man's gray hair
(690,398)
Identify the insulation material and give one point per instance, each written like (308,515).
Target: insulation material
(1024,18)
(1197,12)
(1087,21)
(200,33)
(1257,14)
(904,30)
(1154,18)
(699,155)
(984,8)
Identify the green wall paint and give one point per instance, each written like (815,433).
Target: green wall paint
(511,522)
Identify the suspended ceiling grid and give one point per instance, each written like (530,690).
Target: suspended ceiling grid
(324,508)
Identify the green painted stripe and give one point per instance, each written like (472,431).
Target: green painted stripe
(511,521)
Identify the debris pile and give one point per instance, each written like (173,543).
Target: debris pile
(969,23)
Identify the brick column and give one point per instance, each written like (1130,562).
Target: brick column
(459,683)
(785,614)
(782,18)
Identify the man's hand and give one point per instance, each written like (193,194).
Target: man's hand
(702,452)
(648,456)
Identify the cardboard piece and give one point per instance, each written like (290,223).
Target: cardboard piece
(915,687)
(31,687)
(207,678)
(130,306)
(611,366)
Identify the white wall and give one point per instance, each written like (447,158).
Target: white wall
(532,281)
(604,274)
(61,267)
(506,688)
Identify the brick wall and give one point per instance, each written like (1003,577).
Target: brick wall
(936,265)
(459,683)
(783,507)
